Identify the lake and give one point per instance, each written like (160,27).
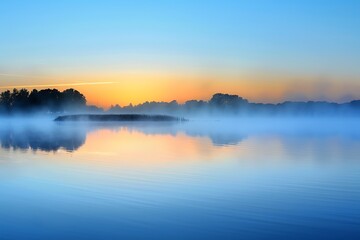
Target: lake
(202,179)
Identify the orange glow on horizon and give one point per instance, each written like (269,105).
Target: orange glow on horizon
(182,90)
(109,89)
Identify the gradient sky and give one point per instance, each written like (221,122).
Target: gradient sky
(132,51)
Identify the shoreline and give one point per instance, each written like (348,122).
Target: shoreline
(118,118)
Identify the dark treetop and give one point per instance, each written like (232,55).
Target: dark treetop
(47,100)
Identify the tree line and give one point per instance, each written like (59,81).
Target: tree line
(71,100)
(226,104)
(218,102)
(47,100)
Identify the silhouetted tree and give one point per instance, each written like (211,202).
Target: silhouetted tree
(5,101)
(227,103)
(48,100)
(226,100)
(20,100)
(72,98)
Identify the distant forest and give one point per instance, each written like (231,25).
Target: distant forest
(227,105)
(52,101)
(48,100)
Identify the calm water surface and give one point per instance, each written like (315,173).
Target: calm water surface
(197,180)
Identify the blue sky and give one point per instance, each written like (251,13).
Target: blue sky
(60,39)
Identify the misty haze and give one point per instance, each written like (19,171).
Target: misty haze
(179,120)
(228,162)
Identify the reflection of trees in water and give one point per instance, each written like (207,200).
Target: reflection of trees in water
(49,139)
(218,136)
(224,139)
(70,137)
(293,138)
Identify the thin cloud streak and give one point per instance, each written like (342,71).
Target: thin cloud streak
(56,85)
(19,75)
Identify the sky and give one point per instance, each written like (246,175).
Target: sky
(134,51)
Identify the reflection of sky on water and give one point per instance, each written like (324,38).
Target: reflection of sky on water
(189,181)
(336,140)
(53,137)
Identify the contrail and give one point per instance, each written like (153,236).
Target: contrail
(56,85)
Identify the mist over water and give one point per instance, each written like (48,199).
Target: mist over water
(220,178)
(179,120)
